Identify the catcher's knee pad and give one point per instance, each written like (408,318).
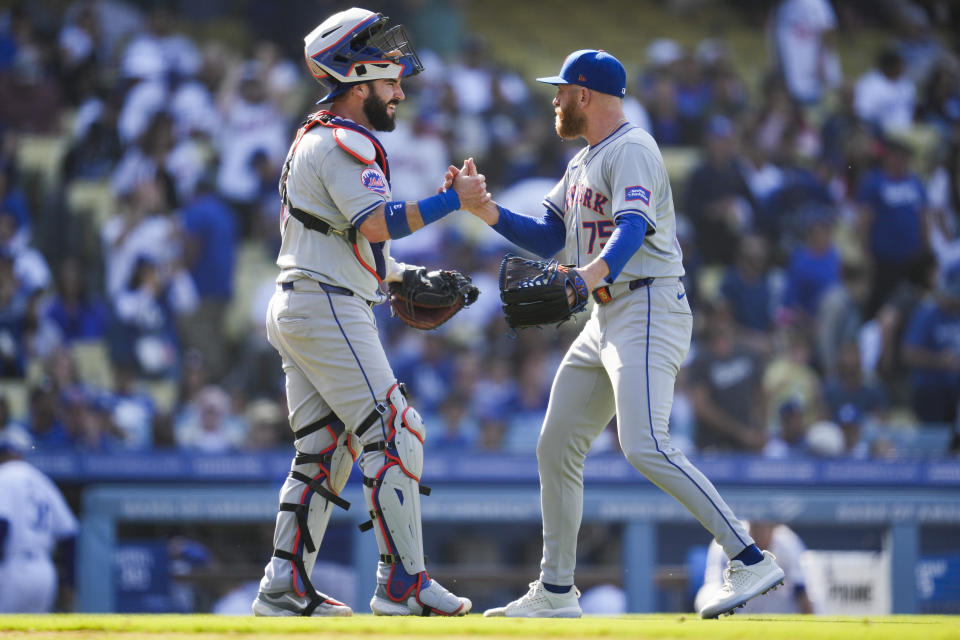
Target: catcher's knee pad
(325,455)
(392,468)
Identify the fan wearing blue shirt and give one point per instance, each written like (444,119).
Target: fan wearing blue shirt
(892,220)
(932,351)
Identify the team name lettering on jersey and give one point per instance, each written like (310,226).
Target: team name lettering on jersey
(637,193)
(581,194)
(373,180)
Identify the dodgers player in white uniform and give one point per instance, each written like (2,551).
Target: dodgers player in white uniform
(34,517)
(345,403)
(612,215)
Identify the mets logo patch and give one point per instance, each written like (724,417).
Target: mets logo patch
(637,193)
(373,180)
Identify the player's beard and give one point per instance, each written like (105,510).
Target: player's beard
(571,122)
(376,111)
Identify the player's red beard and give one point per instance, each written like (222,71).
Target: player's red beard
(571,122)
(376,111)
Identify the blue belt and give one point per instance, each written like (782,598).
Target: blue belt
(329,288)
(602,294)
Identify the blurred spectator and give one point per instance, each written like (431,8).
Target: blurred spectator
(206,425)
(848,388)
(491,433)
(850,420)
(940,96)
(132,412)
(718,201)
(145,334)
(44,419)
(787,546)
(885,96)
(931,350)
(250,123)
(803,35)
(210,247)
(80,315)
(840,315)
(747,288)
(728,398)
(457,429)
(267,426)
(30,96)
(892,220)
(788,377)
(14,320)
(427,371)
(29,265)
(918,44)
(814,266)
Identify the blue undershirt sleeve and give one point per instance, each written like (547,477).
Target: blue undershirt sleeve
(543,236)
(626,239)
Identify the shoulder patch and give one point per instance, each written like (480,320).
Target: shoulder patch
(356,144)
(637,192)
(374,180)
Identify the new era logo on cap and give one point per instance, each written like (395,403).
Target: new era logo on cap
(594,69)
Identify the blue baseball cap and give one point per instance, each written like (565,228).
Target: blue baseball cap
(594,69)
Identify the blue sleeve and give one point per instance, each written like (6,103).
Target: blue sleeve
(543,236)
(626,239)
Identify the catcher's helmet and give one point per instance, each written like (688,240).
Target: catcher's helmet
(355,46)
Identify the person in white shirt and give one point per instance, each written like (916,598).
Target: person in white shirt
(884,96)
(802,35)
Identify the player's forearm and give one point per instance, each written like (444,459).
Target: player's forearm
(543,236)
(398,219)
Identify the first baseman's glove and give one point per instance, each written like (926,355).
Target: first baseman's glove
(534,292)
(426,300)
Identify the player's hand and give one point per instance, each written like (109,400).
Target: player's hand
(471,186)
(448,178)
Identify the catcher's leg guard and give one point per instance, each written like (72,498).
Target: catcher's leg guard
(325,455)
(391,477)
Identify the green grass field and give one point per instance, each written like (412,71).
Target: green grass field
(639,627)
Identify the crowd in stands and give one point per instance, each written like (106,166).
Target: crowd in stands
(818,212)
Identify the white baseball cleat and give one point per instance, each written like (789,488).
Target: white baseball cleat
(432,600)
(741,583)
(288,603)
(540,603)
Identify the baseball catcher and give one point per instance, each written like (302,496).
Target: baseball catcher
(535,292)
(425,300)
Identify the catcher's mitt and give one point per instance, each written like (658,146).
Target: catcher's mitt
(534,292)
(426,300)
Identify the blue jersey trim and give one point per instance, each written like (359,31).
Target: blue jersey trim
(554,208)
(653,435)
(358,218)
(651,225)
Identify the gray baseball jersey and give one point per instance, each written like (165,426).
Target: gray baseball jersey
(326,181)
(623,173)
(626,359)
